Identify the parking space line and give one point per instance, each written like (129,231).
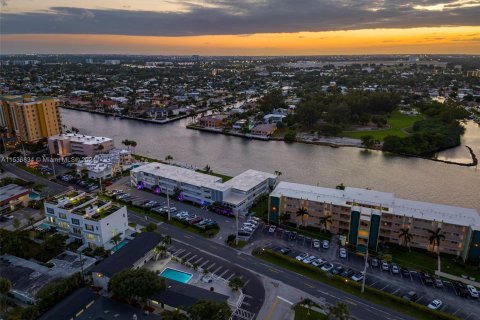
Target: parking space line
(204,263)
(192,257)
(178,252)
(385,287)
(210,268)
(230,276)
(216,270)
(185,255)
(396,291)
(246,282)
(223,273)
(199,259)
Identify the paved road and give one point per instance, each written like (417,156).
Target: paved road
(52,187)
(359,308)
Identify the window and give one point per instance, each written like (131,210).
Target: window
(90,236)
(50,211)
(62,215)
(77,230)
(89,227)
(76,221)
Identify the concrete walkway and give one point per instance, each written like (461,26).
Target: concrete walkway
(456,278)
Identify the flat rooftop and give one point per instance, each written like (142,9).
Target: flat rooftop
(10,191)
(182,175)
(80,138)
(70,194)
(417,209)
(248,180)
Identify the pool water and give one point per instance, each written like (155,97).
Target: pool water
(34,196)
(176,275)
(120,245)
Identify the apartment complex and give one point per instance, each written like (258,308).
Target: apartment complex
(105,165)
(86,218)
(237,194)
(65,144)
(30,119)
(369,217)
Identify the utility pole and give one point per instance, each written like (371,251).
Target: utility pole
(236,227)
(365,271)
(168,203)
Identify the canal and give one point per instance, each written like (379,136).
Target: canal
(411,178)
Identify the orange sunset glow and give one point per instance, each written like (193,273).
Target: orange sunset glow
(416,40)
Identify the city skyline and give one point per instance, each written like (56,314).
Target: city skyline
(241,28)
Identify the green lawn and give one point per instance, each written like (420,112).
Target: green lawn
(376,296)
(310,233)
(427,262)
(302,313)
(261,208)
(280,133)
(399,123)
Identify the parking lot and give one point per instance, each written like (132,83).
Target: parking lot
(396,284)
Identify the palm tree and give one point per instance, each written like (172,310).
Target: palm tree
(134,145)
(302,212)
(5,287)
(325,221)
(115,240)
(168,158)
(126,143)
(167,240)
(406,237)
(435,237)
(284,217)
(339,312)
(159,251)
(278,173)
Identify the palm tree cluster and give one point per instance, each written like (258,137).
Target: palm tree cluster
(436,236)
(302,212)
(131,144)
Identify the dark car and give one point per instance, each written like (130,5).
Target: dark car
(337,270)
(374,263)
(461,289)
(348,273)
(293,236)
(410,296)
(427,280)
(285,250)
(405,272)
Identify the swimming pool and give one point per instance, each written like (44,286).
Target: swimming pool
(120,245)
(34,196)
(176,275)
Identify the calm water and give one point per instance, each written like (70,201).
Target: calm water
(411,178)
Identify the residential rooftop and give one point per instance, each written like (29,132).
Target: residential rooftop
(80,138)
(384,200)
(63,197)
(249,179)
(11,190)
(97,209)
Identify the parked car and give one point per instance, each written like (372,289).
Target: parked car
(385,266)
(343,253)
(337,270)
(293,235)
(319,262)
(302,256)
(247,229)
(327,267)
(325,244)
(316,243)
(473,291)
(244,233)
(357,277)
(272,229)
(427,279)
(374,263)
(438,283)
(461,289)
(410,296)
(92,188)
(435,304)
(405,272)
(309,259)
(285,250)
(196,220)
(395,269)
(348,273)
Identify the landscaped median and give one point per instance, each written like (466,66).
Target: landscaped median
(379,297)
(209,233)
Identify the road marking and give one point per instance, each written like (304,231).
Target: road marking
(248,296)
(187,236)
(396,291)
(216,270)
(204,263)
(241,258)
(210,268)
(192,257)
(285,300)
(385,287)
(186,255)
(230,276)
(199,259)
(223,273)
(350,301)
(246,303)
(270,311)
(178,252)
(309,285)
(246,282)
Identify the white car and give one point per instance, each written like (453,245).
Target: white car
(250,225)
(318,262)
(247,229)
(343,253)
(316,243)
(357,277)
(272,229)
(302,256)
(325,244)
(435,304)
(395,269)
(385,266)
(327,267)
(309,259)
(473,291)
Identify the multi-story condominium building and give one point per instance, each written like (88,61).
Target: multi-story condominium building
(86,218)
(237,194)
(30,119)
(105,165)
(369,217)
(65,144)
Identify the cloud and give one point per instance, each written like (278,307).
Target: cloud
(216,17)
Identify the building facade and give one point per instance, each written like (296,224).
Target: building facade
(237,194)
(106,165)
(13,196)
(368,218)
(30,119)
(86,218)
(65,144)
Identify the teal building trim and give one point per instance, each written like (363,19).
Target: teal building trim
(374,232)
(354,223)
(474,251)
(274,209)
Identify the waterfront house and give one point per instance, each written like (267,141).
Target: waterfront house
(213,121)
(264,130)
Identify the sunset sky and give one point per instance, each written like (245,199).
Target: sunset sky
(240,27)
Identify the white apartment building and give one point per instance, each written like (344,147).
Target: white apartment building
(105,165)
(65,144)
(86,218)
(237,194)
